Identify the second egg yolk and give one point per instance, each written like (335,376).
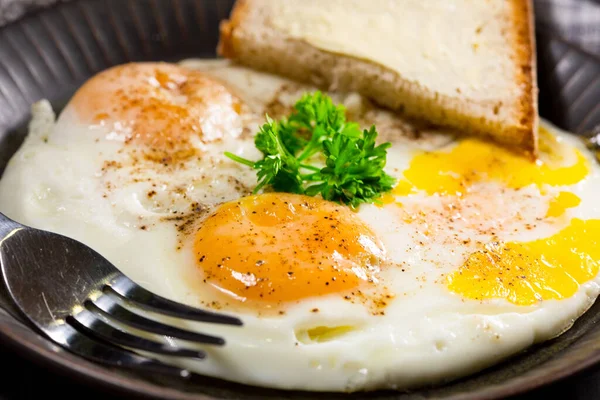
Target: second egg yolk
(559,204)
(279,247)
(472,160)
(527,272)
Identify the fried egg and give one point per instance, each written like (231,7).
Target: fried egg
(475,255)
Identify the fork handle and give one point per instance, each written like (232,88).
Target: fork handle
(7,227)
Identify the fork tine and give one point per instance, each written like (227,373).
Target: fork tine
(96,327)
(81,344)
(108,307)
(126,288)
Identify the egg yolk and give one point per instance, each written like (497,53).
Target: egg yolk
(561,203)
(528,272)
(278,247)
(159,105)
(473,160)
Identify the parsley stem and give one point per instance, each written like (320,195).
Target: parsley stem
(305,154)
(309,151)
(310,167)
(240,159)
(311,177)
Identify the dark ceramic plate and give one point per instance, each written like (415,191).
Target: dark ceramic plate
(51,53)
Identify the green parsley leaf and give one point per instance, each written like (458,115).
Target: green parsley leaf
(354,169)
(353,172)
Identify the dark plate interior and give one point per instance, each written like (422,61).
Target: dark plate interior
(51,53)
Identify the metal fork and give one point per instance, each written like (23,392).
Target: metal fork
(79,299)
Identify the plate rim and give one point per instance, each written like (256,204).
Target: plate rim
(95,374)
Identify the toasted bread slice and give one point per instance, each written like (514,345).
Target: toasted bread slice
(465,64)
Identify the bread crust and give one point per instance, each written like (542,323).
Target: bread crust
(525,46)
(226,45)
(487,119)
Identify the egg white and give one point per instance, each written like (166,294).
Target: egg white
(427,334)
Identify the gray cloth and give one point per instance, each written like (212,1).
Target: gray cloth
(577,21)
(13,9)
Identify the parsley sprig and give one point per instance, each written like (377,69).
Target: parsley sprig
(317,130)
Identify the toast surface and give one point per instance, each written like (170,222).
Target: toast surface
(465,64)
